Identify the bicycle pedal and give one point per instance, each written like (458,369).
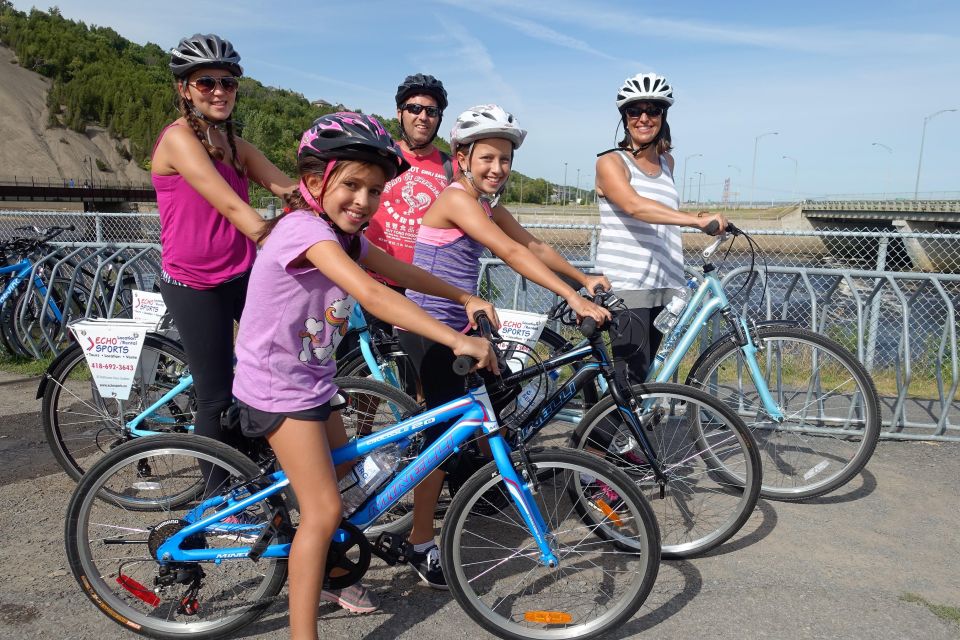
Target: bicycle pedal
(269,532)
(392,548)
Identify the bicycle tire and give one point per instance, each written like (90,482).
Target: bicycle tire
(795,456)
(710,460)
(80,425)
(121,583)
(588,565)
(372,406)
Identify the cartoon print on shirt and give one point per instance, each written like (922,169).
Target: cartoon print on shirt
(335,324)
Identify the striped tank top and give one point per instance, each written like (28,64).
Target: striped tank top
(454,257)
(635,255)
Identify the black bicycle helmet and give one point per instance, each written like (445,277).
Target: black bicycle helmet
(353,136)
(204,51)
(421,84)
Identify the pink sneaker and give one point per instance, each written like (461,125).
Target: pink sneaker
(356,598)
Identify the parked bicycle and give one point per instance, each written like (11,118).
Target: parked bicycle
(531,551)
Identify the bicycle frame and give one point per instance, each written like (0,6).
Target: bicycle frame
(471,412)
(21,271)
(709,298)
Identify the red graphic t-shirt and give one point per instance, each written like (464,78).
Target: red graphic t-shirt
(405,199)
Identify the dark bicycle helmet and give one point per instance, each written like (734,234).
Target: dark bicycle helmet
(353,136)
(204,51)
(421,84)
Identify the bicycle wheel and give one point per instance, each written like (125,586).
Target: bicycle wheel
(829,401)
(81,425)
(111,549)
(372,406)
(710,461)
(492,562)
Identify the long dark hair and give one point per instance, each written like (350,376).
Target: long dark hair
(294,200)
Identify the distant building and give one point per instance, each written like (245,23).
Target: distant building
(321,103)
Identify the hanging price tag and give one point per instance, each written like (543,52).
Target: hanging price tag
(112,349)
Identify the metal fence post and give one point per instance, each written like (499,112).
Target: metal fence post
(875,306)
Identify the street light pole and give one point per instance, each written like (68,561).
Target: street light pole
(521,188)
(795,174)
(886,181)
(753,174)
(564,184)
(683,179)
(699,184)
(733,166)
(916,188)
(578,186)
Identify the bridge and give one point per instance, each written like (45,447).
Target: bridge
(882,210)
(95,196)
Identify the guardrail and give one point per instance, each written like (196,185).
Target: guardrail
(907,206)
(861,288)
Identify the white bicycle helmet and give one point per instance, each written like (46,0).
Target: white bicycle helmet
(486,121)
(645,86)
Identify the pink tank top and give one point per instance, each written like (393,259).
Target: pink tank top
(199,246)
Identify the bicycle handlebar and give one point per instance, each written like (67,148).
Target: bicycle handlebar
(711,229)
(588,326)
(463,364)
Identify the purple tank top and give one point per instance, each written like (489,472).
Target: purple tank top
(199,246)
(456,262)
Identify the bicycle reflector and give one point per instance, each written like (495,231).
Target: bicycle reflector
(138,590)
(609,513)
(548,617)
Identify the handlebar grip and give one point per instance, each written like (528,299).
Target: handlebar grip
(588,326)
(712,228)
(463,364)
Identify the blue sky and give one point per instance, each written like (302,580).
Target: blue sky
(830,77)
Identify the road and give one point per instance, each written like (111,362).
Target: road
(845,566)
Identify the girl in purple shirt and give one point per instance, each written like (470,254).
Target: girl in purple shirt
(302,289)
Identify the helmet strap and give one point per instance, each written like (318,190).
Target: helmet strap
(315,203)
(493,199)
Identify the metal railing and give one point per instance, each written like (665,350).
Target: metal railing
(890,297)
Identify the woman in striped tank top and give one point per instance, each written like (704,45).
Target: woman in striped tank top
(640,249)
(462,222)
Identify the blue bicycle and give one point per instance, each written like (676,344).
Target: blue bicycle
(531,550)
(35,310)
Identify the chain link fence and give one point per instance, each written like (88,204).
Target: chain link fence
(890,297)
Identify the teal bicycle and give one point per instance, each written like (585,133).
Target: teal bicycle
(812,407)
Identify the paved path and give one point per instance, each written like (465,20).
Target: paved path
(836,568)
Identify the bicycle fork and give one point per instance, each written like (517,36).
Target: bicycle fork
(522,495)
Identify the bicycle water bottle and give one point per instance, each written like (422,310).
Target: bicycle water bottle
(531,396)
(667,318)
(367,476)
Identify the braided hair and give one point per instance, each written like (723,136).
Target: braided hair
(188,111)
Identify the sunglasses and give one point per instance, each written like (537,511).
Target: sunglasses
(207,84)
(652,110)
(417,109)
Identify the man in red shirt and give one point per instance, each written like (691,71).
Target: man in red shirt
(421,100)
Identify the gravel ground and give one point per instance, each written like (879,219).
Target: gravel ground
(839,567)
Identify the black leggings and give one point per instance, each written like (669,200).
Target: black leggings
(204,318)
(634,343)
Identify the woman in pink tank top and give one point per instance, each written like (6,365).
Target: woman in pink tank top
(200,170)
